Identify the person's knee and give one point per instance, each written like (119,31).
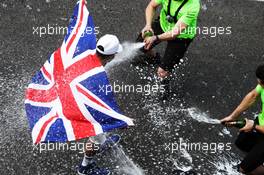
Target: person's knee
(238,143)
(162,73)
(241,144)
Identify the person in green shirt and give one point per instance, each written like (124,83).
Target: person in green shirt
(178,29)
(251,137)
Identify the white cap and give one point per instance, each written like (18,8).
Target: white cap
(110,45)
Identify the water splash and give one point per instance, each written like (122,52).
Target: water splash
(187,156)
(225,131)
(196,114)
(226,166)
(129,52)
(179,165)
(125,164)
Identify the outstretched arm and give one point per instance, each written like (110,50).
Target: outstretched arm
(248,101)
(171,35)
(149,14)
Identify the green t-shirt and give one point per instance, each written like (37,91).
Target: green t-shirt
(260,90)
(188,15)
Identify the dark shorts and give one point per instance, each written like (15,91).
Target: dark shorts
(175,49)
(253,144)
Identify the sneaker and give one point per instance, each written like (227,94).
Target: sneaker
(109,143)
(92,169)
(82,170)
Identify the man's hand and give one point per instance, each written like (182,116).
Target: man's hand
(149,41)
(249,126)
(150,12)
(229,118)
(145,29)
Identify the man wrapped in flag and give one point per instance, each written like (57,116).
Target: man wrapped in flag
(107,47)
(64,101)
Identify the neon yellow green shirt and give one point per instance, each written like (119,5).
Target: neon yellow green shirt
(188,15)
(260,90)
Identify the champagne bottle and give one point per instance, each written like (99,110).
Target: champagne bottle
(238,123)
(148,34)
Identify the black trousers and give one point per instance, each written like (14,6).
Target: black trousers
(253,144)
(175,49)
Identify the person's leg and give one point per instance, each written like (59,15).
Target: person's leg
(88,165)
(174,52)
(253,160)
(91,148)
(246,141)
(258,171)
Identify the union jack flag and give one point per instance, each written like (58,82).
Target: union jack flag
(63,101)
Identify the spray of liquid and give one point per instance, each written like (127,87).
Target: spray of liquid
(130,50)
(226,166)
(125,164)
(201,117)
(179,165)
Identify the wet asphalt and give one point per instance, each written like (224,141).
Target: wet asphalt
(217,72)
